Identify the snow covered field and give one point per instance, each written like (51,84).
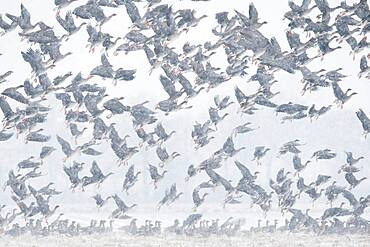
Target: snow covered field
(78,205)
(259,239)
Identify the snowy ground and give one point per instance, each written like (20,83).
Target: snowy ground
(259,239)
(345,134)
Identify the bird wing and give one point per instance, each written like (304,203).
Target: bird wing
(364,119)
(240,96)
(300,183)
(25,14)
(149,53)
(363,63)
(132,11)
(228,145)
(62,22)
(350,197)
(349,156)
(350,178)
(3,24)
(22,206)
(12,17)
(296,162)
(153,171)
(212,175)
(5,107)
(243,169)
(173,190)
(69,21)
(162,153)
(227,185)
(245,21)
(213,114)
(104,61)
(168,85)
(305,4)
(338,93)
(159,130)
(95,170)
(130,172)
(120,203)
(67,170)
(73,128)
(66,147)
(93,34)
(185,84)
(225,100)
(217,100)
(352,42)
(98,198)
(195,196)
(253,14)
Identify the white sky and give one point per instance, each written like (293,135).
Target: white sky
(338,130)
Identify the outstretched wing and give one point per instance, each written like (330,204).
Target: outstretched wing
(305,4)
(253,14)
(104,60)
(243,169)
(338,93)
(66,147)
(25,14)
(153,171)
(69,20)
(240,96)
(350,197)
(130,172)
(363,63)
(95,170)
(62,22)
(365,121)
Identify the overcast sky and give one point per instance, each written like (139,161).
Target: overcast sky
(339,130)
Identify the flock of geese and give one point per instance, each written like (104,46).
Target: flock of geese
(88,106)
